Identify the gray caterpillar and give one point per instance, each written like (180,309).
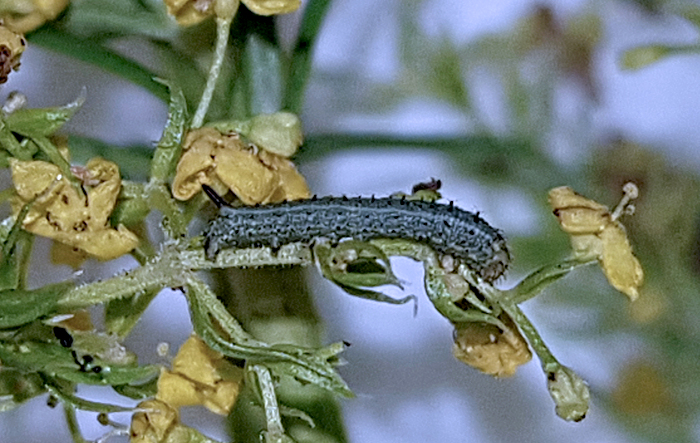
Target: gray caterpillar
(446,229)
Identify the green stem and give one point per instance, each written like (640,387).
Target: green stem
(74,402)
(548,361)
(275,430)
(89,51)
(24,260)
(223,29)
(72,422)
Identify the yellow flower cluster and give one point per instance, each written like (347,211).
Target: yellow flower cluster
(596,233)
(225,161)
(12,45)
(62,213)
(26,15)
(191,12)
(200,376)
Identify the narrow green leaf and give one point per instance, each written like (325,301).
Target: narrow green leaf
(138,391)
(300,63)
(55,360)
(121,315)
(169,146)
(18,307)
(9,143)
(42,122)
(304,364)
(538,280)
(97,18)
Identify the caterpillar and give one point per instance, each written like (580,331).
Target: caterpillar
(447,229)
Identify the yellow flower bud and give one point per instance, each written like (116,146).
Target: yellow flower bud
(279,133)
(485,347)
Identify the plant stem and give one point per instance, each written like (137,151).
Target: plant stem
(223,29)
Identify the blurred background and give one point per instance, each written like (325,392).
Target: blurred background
(501,101)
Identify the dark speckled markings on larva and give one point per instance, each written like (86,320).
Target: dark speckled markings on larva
(448,230)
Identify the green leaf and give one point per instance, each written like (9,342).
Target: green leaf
(262,73)
(121,315)
(539,279)
(307,365)
(353,265)
(138,391)
(12,268)
(300,63)
(169,146)
(55,360)
(98,18)
(42,122)
(9,143)
(18,307)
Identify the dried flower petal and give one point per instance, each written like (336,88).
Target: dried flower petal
(270,7)
(200,376)
(26,15)
(485,347)
(11,47)
(153,422)
(595,233)
(196,166)
(578,214)
(291,184)
(621,267)
(255,177)
(61,213)
(190,12)
(244,173)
